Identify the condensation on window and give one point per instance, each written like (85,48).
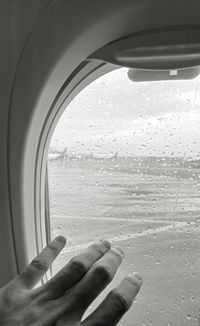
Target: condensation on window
(124,165)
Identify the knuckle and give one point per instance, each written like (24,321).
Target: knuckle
(78,267)
(39,264)
(32,315)
(103,273)
(120,302)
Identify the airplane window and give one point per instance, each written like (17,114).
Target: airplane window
(124,164)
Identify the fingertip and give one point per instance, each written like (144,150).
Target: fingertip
(135,279)
(120,250)
(61,239)
(138,276)
(106,244)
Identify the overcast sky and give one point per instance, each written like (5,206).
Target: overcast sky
(114,114)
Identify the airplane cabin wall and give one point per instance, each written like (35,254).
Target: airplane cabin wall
(42,43)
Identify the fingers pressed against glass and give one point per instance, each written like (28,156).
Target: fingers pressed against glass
(116,304)
(101,273)
(72,272)
(40,264)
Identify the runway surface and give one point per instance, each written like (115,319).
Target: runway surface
(155,217)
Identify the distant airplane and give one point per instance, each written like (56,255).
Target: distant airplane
(114,156)
(57,156)
(195,163)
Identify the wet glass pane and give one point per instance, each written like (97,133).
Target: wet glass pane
(124,165)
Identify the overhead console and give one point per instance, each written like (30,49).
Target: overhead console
(174,53)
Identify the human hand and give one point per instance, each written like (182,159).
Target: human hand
(63,300)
